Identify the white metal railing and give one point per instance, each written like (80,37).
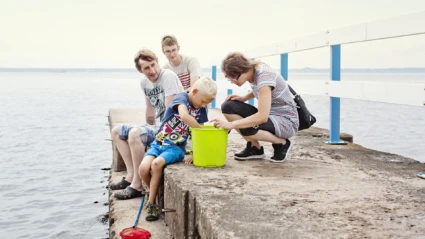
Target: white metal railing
(399,92)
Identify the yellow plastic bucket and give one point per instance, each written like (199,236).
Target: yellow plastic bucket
(209,146)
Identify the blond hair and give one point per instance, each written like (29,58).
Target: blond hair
(169,40)
(145,55)
(236,63)
(206,85)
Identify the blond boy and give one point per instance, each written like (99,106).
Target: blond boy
(185,111)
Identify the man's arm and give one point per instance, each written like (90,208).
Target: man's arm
(195,71)
(150,112)
(172,86)
(168,100)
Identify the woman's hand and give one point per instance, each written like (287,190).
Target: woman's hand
(222,124)
(236,97)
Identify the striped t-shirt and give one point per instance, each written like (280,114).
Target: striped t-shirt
(188,67)
(283,111)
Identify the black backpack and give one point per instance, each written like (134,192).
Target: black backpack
(305,117)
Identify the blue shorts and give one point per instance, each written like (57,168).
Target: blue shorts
(171,154)
(147,132)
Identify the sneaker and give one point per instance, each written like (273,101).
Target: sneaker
(152,212)
(250,152)
(281,152)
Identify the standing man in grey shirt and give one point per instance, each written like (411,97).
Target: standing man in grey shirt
(186,67)
(159,87)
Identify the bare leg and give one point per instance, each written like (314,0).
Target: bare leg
(145,169)
(124,150)
(157,166)
(137,150)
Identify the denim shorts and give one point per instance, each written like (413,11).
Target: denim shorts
(147,132)
(171,154)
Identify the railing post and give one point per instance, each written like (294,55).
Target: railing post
(334,129)
(214,77)
(284,66)
(251,101)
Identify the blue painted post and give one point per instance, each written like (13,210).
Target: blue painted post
(284,66)
(251,101)
(214,77)
(334,130)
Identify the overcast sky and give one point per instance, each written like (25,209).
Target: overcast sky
(107,34)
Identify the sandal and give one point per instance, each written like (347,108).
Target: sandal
(128,193)
(119,185)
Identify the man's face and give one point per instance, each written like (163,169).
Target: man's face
(171,52)
(151,69)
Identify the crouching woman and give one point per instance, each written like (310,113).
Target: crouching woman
(275,120)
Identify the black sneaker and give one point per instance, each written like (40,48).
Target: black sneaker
(250,152)
(281,152)
(152,212)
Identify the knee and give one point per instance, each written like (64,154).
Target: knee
(144,169)
(114,132)
(134,135)
(227,107)
(157,165)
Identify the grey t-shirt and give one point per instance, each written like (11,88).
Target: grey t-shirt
(167,84)
(188,67)
(283,111)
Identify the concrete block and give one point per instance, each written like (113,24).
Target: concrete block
(176,198)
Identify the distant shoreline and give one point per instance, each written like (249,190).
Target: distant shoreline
(131,70)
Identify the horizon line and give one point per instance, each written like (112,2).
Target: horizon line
(299,70)
(204,68)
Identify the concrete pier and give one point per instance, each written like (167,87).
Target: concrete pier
(322,191)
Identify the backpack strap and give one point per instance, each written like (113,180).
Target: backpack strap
(292,91)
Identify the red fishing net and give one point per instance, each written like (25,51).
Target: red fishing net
(135,233)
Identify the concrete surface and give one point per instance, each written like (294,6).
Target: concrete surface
(122,213)
(322,191)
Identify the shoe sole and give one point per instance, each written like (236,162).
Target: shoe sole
(277,161)
(250,157)
(151,219)
(283,160)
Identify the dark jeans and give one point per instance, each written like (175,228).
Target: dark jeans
(234,107)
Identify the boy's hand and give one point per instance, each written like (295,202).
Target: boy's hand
(188,159)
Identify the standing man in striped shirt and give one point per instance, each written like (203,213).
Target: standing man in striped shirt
(187,68)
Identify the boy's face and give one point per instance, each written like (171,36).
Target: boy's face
(171,52)
(151,69)
(200,100)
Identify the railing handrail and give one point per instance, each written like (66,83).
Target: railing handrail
(393,27)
